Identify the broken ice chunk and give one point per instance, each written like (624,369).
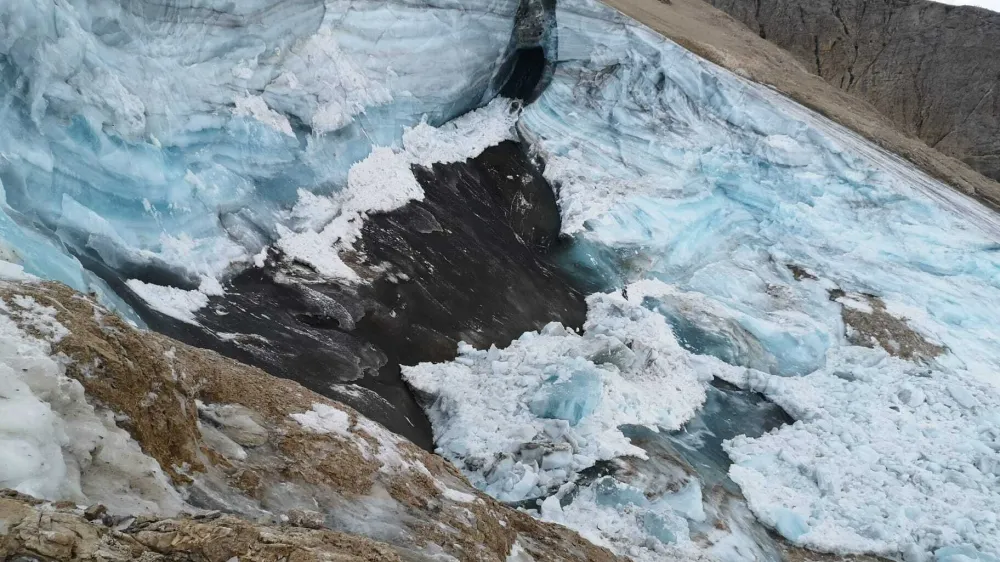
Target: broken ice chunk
(656,525)
(687,501)
(612,493)
(962,553)
(570,400)
(789,524)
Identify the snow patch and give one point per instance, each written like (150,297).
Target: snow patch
(325,419)
(174,302)
(256,107)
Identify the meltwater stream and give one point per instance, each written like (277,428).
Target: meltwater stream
(256,177)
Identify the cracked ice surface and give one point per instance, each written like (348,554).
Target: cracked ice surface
(697,190)
(173,134)
(523,420)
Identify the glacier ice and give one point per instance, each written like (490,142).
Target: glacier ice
(705,197)
(704,189)
(166,140)
(525,420)
(172,141)
(570,396)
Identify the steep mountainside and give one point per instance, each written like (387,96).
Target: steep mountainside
(157,438)
(639,304)
(931,68)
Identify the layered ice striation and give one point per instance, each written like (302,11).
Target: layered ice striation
(742,220)
(166,140)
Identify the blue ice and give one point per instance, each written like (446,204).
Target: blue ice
(124,140)
(669,168)
(571,399)
(790,524)
(658,527)
(962,553)
(612,493)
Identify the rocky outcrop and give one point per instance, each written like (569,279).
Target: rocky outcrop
(933,69)
(299,476)
(40,531)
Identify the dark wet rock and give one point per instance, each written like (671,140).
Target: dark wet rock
(728,412)
(931,68)
(800,273)
(465,264)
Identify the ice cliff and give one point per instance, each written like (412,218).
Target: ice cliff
(795,252)
(168,140)
(788,330)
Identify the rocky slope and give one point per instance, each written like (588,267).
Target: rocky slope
(931,68)
(299,476)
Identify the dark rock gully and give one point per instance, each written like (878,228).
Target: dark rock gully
(479,260)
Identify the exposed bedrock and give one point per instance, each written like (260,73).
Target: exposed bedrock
(931,68)
(465,264)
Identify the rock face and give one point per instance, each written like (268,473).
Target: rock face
(931,68)
(36,530)
(300,477)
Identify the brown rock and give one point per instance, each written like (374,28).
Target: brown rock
(305,518)
(267,464)
(48,532)
(95,512)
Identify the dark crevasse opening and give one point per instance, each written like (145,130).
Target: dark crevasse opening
(529,65)
(530,58)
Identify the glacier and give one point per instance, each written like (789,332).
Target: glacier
(166,140)
(725,234)
(759,230)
